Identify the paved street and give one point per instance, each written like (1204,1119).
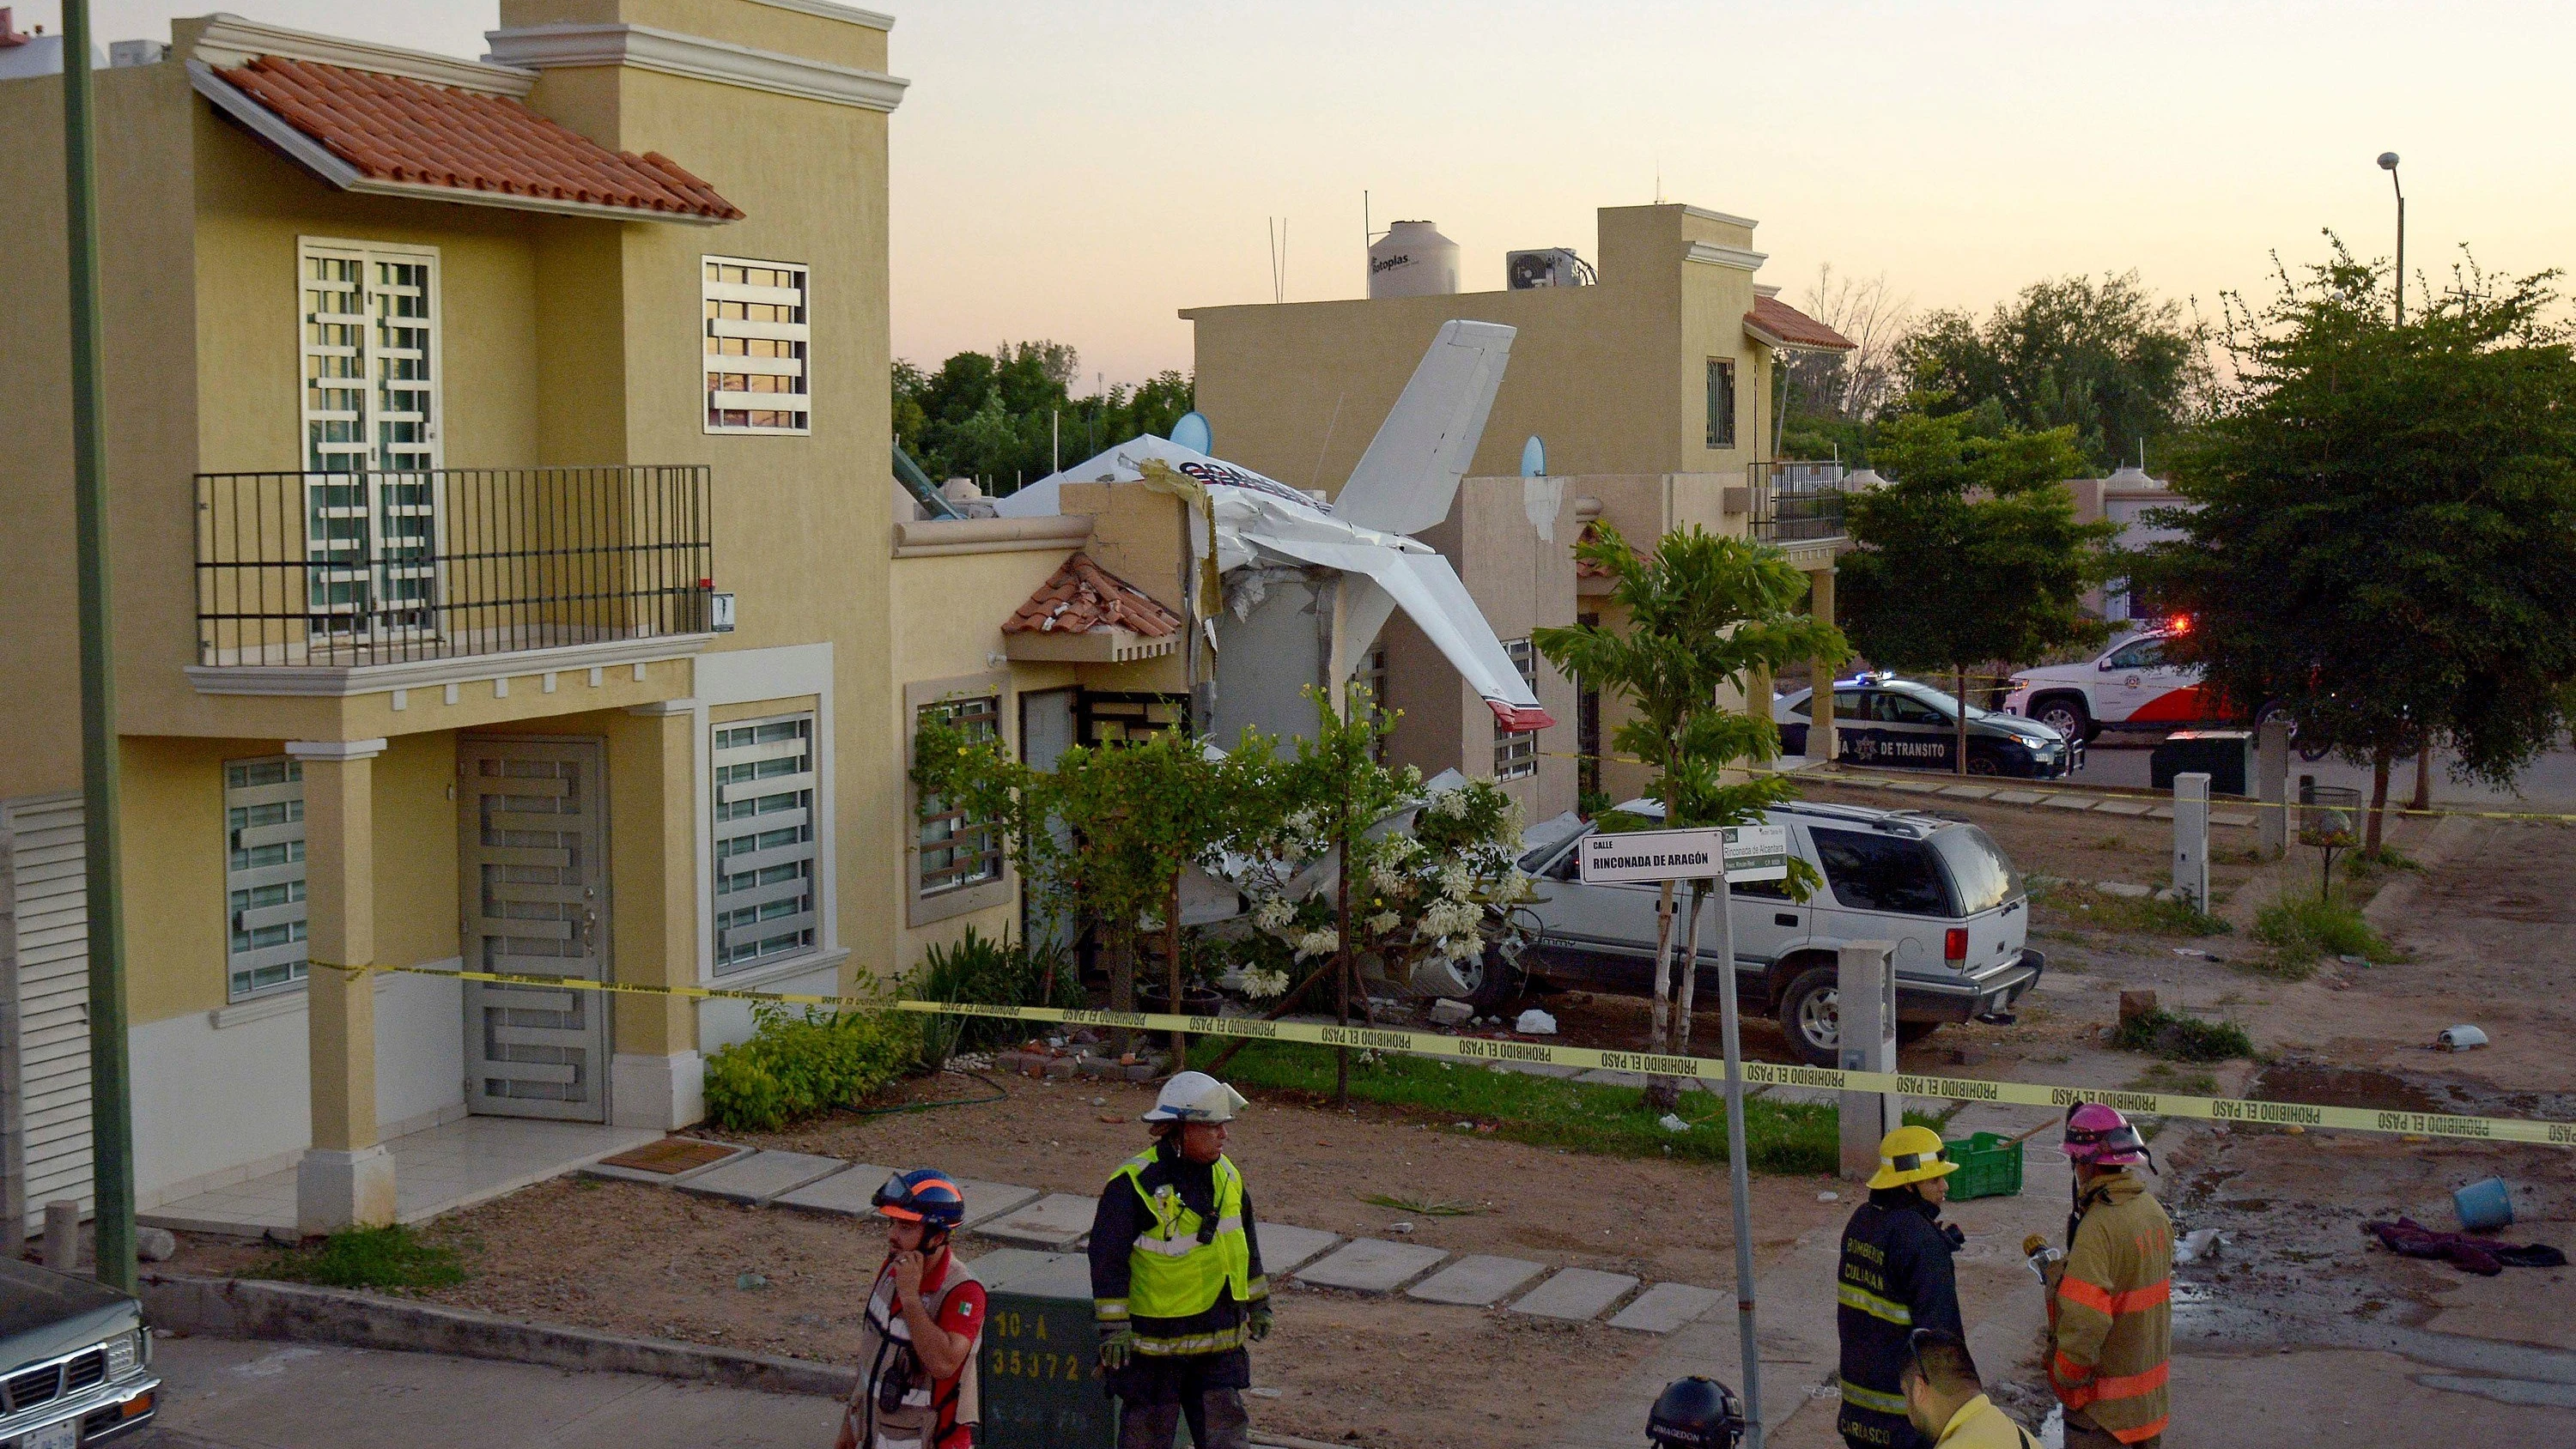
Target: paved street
(230,1394)
(2121,759)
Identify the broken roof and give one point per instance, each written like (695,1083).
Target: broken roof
(365,130)
(1777,324)
(1082,597)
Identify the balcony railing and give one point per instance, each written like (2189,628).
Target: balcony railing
(1796,502)
(336,570)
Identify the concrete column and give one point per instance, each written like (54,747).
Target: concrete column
(2272,784)
(2191,839)
(1820,673)
(656,1076)
(346,1177)
(1865,1012)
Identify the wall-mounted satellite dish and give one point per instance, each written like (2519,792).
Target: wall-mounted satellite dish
(1533,458)
(1192,432)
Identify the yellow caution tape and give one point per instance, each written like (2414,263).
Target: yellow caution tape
(1491,1050)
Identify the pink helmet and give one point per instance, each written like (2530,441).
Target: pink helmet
(2099,1135)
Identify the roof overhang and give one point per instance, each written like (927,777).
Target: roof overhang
(314,157)
(1778,343)
(229,40)
(693,57)
(1111,644)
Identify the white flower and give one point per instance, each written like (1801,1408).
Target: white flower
(1383,922)
(1456,880)
(1449,917)
(1318,943)
(1401,847)
(1447,805)
(1264,983)
(1390,879)
(1463,948)
(1303,824)
(1274,914)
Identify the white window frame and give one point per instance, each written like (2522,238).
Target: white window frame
(783,934)
(267,897)
(714,331)
(387,533)
(1516,751)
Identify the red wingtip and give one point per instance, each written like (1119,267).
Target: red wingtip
(1518,718)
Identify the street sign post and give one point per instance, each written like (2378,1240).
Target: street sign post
(1753,852)
(1719,855)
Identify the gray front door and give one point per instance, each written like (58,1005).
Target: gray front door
(532,844)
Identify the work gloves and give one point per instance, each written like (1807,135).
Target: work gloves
(1116,1348)
(1256,1323)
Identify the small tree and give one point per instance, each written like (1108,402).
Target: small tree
(1972,555)
(1703,613)
(2383,518)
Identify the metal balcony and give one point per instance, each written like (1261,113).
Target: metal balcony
(1796,502)
(343,571)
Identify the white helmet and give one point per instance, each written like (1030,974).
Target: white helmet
(1195,1097)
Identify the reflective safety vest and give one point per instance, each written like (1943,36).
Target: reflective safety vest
(1181,1263)
(1895,1276)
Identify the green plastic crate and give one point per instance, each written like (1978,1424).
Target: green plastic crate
(1989,1166)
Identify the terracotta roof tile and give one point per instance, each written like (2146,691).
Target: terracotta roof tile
(1083,597)
(1773,318)
(391,128)
(1585,568)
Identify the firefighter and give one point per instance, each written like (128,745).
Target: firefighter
(925,1315)
(2110,1301)
(1895,1278)
(1176,1278)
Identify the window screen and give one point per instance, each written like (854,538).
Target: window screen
(764,840)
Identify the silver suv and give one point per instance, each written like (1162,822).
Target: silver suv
(1940,889)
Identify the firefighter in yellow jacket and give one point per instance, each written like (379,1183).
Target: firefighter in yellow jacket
(2110,1302)
(1176,1277)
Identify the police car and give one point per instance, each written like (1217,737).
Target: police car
(1883,721)
(2131,686)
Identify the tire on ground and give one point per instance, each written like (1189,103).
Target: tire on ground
(1804,988)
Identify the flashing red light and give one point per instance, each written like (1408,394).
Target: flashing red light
(2178,624)
(1954,944)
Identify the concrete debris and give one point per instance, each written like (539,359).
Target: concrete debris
(1535,1022)
(2128,889)
(1449,1011)
(155,1245)
(2198,1244)
(1671,1123)
(2459,1039)
(1829,1197)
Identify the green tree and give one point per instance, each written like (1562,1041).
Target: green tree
(1702,613)
(2102,357)
(1972,555)
(1002,417)
(2381,520)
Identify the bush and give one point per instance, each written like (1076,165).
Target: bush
(987,972)
(2181,1038)
(801,1064)
(2303,930)
(386,1257)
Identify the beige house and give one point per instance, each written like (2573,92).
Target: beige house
(1651,392)
(508,576)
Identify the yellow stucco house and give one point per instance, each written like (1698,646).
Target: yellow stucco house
(508,575)
(1651,390)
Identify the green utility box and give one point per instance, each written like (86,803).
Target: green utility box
(1040,1367)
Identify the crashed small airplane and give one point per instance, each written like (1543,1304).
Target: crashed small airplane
(1306,585)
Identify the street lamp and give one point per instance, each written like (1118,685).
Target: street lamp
(2388,163)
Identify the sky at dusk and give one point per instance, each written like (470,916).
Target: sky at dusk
(1081,171)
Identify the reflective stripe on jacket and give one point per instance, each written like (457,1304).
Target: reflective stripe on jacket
(1895,1277)
(932,1410)
(2110,1313)
(1174,1254)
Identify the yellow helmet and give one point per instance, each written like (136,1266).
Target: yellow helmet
(1911,1154)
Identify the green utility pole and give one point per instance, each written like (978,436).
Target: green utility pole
(110,1091)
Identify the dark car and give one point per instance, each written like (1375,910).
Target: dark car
(78,1361)
(1883,721)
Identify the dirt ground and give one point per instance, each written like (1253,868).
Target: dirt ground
(2298,1323)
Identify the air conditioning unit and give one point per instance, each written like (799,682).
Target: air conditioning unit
(1545,267)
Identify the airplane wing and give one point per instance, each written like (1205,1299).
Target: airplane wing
(1429,592)
(1407,479)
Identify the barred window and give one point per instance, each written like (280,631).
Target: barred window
(1516,751)
(756,332)
(263,876)
(764,841)
(957,852)
(1721,402)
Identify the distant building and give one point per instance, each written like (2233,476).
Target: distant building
(2123,498)
(1651,390)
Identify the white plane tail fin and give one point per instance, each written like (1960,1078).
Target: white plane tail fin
(1407,479)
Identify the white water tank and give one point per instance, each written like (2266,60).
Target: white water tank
(1413,260)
